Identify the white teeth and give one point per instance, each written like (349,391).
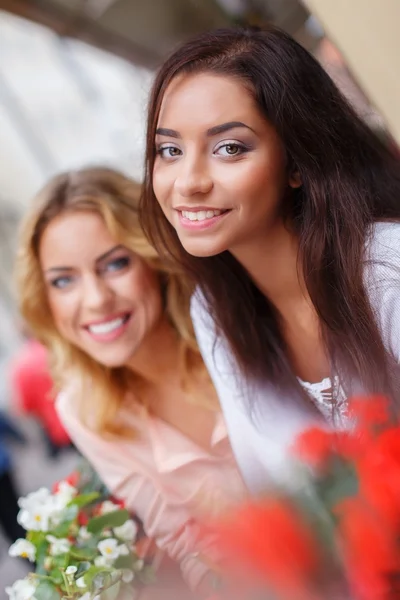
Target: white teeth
(200,215)
(102,328)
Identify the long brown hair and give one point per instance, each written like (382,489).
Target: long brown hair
(349,181)
(115,198)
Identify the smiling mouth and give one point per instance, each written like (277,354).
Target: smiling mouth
(108,327)
(201,215)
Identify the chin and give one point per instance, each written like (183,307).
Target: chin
(202,249)
(112,360)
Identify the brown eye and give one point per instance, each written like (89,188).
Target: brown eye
(231,148)
(169,152)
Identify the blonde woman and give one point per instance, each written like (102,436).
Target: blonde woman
(135,396)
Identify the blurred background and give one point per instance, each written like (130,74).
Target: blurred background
(74,79)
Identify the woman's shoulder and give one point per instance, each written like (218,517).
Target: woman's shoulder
(382,279)
(68,399)
(383,244)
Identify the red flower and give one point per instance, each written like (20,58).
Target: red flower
(271,541)
(118,501)
(370,549)
(83,519)
(72,479)
(369,411)
(379,475)
(316,446)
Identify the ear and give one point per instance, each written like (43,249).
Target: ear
(295,179)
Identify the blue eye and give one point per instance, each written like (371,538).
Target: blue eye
(61,282)
(118,263)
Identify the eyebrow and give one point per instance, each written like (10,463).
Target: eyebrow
(99,259)
(216,130)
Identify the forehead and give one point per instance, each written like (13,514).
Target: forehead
(202,100)
(73,238)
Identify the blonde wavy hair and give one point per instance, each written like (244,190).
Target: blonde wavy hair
(115,198)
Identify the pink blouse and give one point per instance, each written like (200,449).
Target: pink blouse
(169,481)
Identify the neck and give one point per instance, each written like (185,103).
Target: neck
(271,260)
(157,359)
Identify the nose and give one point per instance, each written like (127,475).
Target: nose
(97,295)
(193,178)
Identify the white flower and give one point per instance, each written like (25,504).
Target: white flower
(108,506)
(58,545)
(87,596)
(109,548)
(22,589)
(84,534)
(123,550)
(71,570)
(139,564)
(127,532)
(24,549)
(80,583)
(106,533)
(34,499)
(39,510)
(37,519)
(103,561)
(64,495)
(127,575)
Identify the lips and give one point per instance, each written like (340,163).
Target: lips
(200,219)
(108,329)
(200,215)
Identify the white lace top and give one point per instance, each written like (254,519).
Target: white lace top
(330,398)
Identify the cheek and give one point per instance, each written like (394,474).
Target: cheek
(62,312)
(255,180)
(146,293)
(163,180)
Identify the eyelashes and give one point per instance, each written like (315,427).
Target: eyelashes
(225,149)
(118,264)
(63,282)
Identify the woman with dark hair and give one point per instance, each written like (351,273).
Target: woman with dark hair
(283,206)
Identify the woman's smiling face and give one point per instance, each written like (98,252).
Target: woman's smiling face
(220,172)
(104,299)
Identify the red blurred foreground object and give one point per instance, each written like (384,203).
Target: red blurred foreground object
(338,538)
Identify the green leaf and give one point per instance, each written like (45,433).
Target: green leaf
(61,561)
(147,575)
(41,554)
(36,537)
(69,516)
(108,521)
(82,553)
(343,484)
(100,581)
(82,568)
(124,562)
(56,576)
(47,591)
(112,592)
(84,499)
(91,573)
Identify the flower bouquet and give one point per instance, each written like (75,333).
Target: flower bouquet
(337,536)
(84,545)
